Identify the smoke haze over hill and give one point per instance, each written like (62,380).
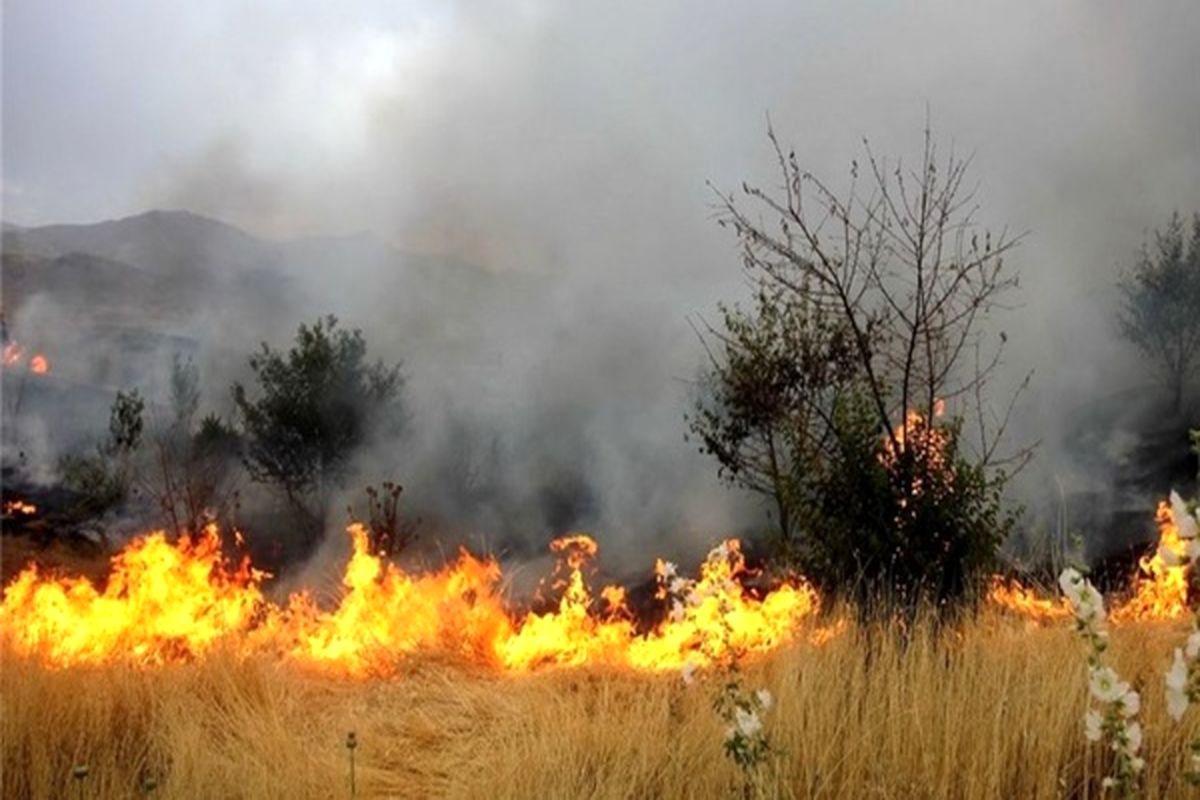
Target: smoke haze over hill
(533,180)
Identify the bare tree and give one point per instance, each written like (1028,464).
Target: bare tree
(1160,313)
(190,469)
(900,259)
(871,317)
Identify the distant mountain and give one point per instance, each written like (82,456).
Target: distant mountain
(156,241)
(161,271)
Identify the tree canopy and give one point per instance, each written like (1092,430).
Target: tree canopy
(312,407)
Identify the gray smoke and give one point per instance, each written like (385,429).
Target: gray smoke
(564,151)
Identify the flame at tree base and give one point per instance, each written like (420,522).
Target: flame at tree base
(166,602)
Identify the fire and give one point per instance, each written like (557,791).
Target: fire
(162,602)
(1161,590)
(166,602)
(13,353)
(386,613)
(920,435)
(1012,596)
(19,508)
(928,445)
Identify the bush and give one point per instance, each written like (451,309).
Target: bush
(315,405)
(103,478)
(899,529)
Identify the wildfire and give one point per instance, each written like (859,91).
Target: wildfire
(171,601)
(1012,596)
(167,602)
(162,602)
(19,508)
(927,445)
(1161,588)
(14,355)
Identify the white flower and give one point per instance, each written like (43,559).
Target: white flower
(1090,607)
(1177,704)
(719,553)
(764,699)
(689,673)
(677,611)
(1090,595)
(1133,733)
(667,569)
(747,722)
(1177,675)
(1071,582)
(1130,702)
(1193,645)
(678,586)
(1184,521)
(1092,722)
(1105,685)
(1108,783)
(1137,763)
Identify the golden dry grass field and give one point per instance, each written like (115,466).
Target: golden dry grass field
(992,709)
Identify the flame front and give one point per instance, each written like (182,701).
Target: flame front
(19,508)
(1012,596)
(162,602)
(167,602)
(1161,588)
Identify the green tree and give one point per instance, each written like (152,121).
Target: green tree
(314,405)
(773,378)
(902,528)
(103,478)
(1160,312)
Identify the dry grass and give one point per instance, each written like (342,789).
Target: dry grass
(992,710)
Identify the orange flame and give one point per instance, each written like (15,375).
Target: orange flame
(162,602)
(928,443)
(38,365)
(167,602)
(19,508)
(1161,589)
(1013,597)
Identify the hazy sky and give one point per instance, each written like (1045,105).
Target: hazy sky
(576,138)
(300,116)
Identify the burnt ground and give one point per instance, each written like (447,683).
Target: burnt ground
(55,532)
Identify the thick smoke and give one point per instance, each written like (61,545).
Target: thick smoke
(563,153)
